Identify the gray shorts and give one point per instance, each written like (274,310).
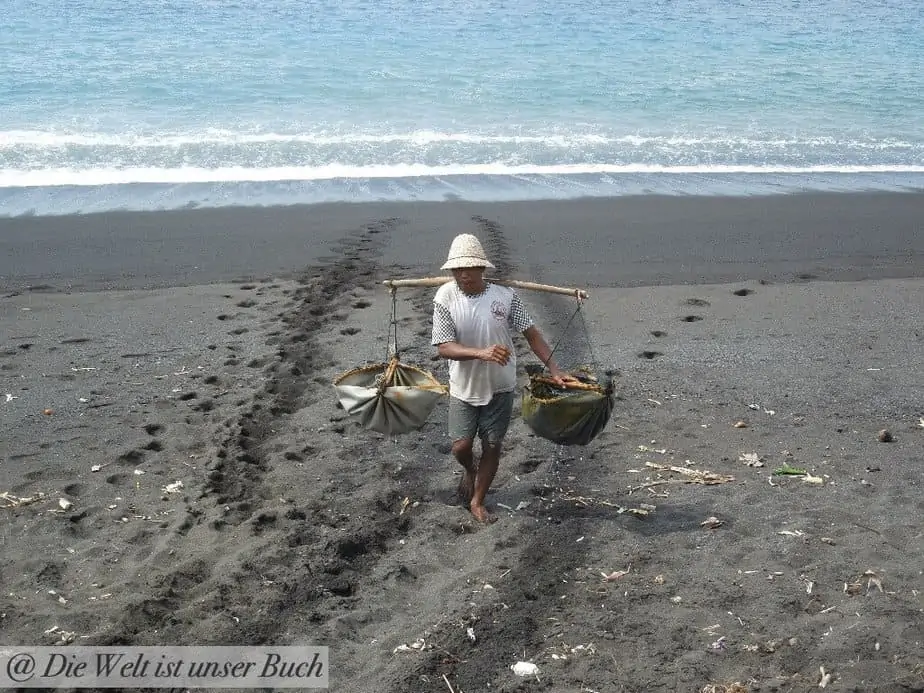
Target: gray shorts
(489,422)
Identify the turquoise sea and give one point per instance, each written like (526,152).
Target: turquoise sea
(154,104)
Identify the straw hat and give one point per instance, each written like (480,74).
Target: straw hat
(466,251)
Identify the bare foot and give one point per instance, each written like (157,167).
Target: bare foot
(466,485)
(481,514)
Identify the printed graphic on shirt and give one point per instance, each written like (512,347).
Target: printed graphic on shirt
(498,310)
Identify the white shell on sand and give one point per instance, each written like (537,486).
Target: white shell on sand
(525,669)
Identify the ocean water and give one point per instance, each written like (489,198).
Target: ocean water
(151,104)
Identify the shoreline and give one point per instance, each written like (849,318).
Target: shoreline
(481,188)
(623,241)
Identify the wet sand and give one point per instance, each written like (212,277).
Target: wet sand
(631,241)
(169,348)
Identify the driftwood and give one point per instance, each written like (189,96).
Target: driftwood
(590,387)
(512,283)
(694,476)
(11,501)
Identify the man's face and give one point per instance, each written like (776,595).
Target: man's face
(469,279)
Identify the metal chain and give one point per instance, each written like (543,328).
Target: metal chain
(562,336)
(590,344)
(577,310)
(392,332)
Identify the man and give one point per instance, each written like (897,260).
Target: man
(473,326)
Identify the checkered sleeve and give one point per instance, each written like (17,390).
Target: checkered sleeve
(519,319)
(444,329)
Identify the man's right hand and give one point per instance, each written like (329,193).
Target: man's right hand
(495,354)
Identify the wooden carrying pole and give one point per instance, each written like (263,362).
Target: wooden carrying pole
(512,283)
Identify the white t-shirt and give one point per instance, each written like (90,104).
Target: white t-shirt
(479,321)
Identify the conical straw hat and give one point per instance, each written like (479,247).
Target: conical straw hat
(466,251)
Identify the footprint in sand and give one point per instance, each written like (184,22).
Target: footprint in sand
(132,457)
(116,479)
(263,521)
(530,465)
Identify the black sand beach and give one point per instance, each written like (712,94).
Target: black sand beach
(140,350)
